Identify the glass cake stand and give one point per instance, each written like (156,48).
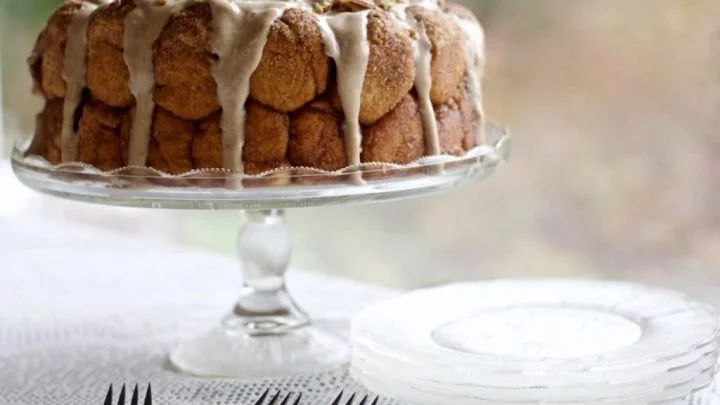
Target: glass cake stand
(267,334)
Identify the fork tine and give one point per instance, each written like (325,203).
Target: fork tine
(262,398)
(148,395)
(108,397)
(275,398)
(351,401)
(287,399)
(297,401)
(121,399)
(134,400)
(135,395)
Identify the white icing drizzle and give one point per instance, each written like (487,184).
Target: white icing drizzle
(74,69)
(143,27)
(351,51)
(423,85)
(241,32)
(475,41)
(332,48)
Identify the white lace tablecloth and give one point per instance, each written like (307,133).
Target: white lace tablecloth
(80,310)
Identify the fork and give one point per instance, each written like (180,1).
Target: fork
(274,400)
(135,400)
(351,401)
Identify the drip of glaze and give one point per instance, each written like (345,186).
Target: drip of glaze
(350,49)
(475,40)
(423,84)
(241,32)
(74,69)
(143,27)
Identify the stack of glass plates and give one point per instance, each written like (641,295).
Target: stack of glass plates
(537,342)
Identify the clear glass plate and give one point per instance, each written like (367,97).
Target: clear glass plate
(537,341)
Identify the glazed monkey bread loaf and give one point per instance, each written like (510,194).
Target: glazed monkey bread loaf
(253,85)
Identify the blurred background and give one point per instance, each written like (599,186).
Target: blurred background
(615,171)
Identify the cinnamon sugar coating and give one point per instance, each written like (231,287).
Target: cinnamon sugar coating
(390,72)
(398,137)
(316,137)
(360,5)
(294,68)
(184,84)
(267,134)
(174,137)
(253,168)
(99,140)
(107,74)
(207,144)
(155,159)
(449,56)
(391,68)
(266,140)
(293,114)
(456,121)
(48,131)
(48,57)
(311,137)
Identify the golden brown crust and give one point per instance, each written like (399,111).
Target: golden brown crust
(174,137)
(294,67)
(184,81)
(313,137)
(155,159)
(323,6)
(35,64)
(266,140)
(391,68)
(48,59)
(267,134)
(294,114)
(254,168)
(348,5)
(207,145)
(49,132)
(398,137)
(99,140)
(449,55)
(107,74)
(456,122)
(316,137)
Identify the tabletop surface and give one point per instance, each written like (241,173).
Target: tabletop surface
(80,309)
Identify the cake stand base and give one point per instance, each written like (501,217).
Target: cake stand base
(222,353)
(267,334)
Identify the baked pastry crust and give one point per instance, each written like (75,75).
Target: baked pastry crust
(293,113)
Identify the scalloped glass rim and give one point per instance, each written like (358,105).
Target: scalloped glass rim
(281,188)
(497,150)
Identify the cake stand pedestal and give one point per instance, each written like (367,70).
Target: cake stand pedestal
(266,334)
